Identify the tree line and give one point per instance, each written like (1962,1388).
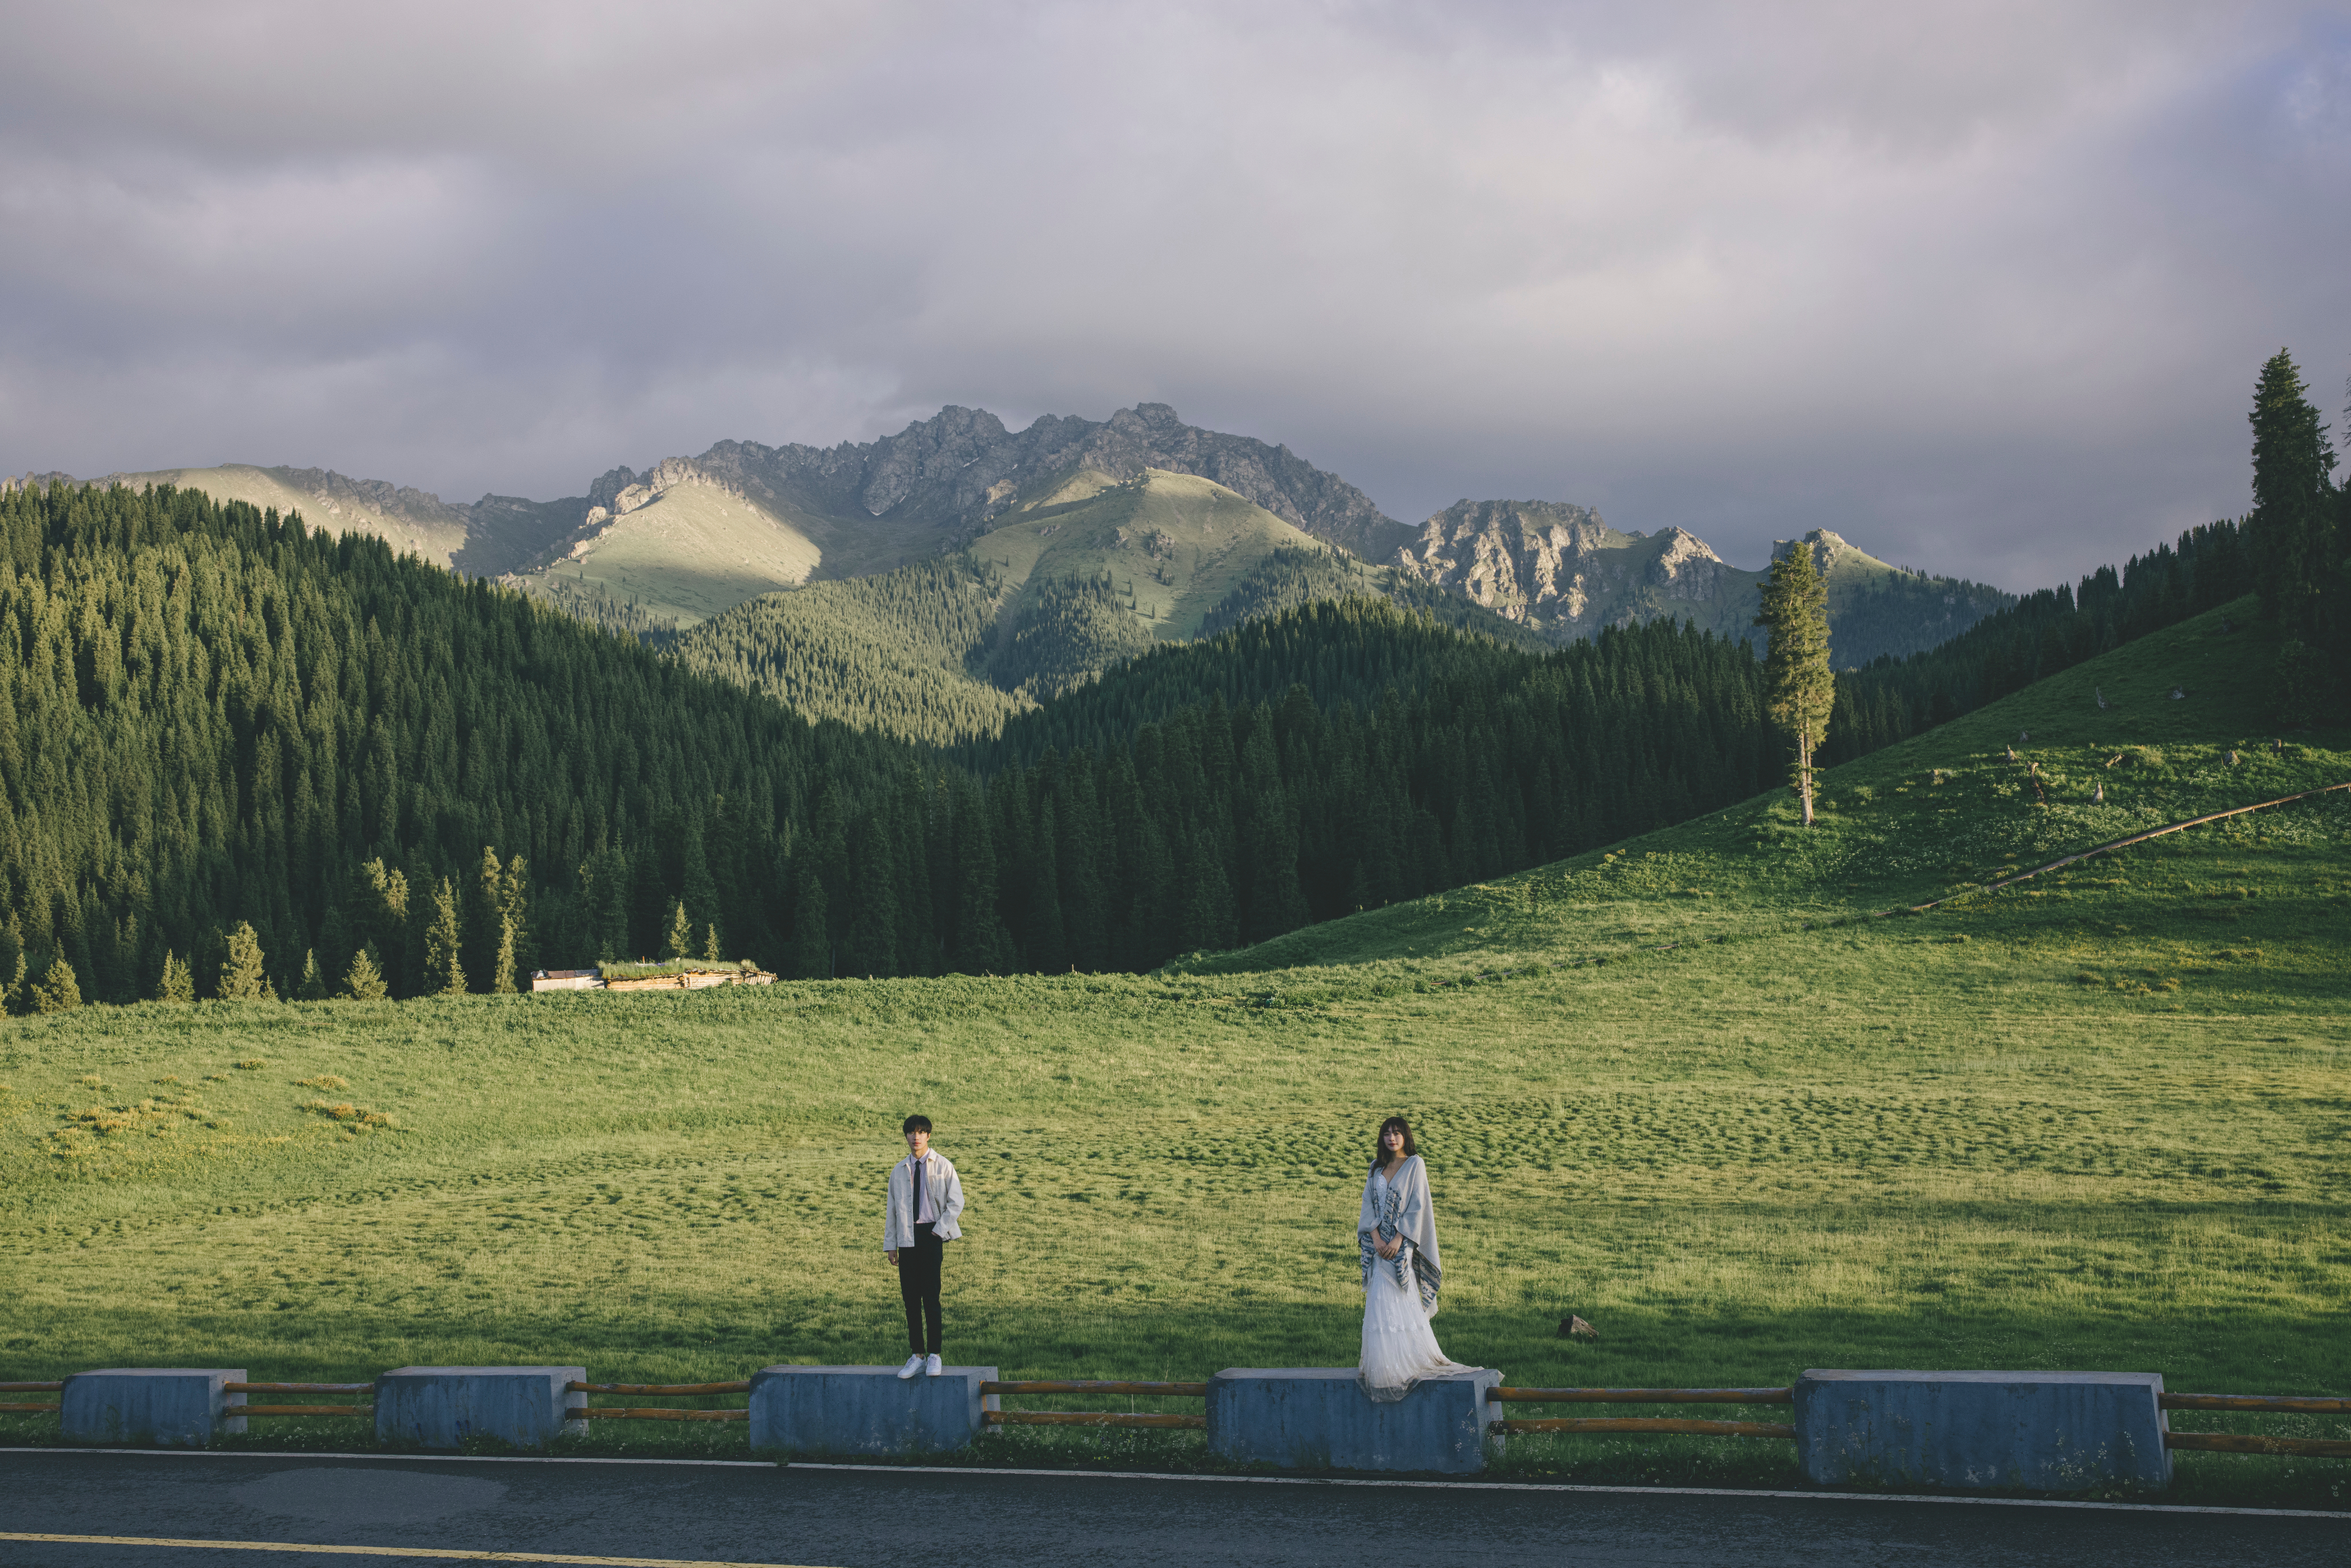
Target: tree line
(2293,549)
(239,757)
(242,758)
(217,725)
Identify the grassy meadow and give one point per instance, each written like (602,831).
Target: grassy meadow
(2103,1121)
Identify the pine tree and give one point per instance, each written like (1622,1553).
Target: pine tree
(680,942)
(501,975)
(515,943)
(980,946)
(57,991)
(811,934)
(363,981)
(710,951)
(1047,941)
(444,972)
(176,985)
(12,997)
(2293,522)
(243,978)
(485,920)
(872,946)
(313,985)
(1800,689)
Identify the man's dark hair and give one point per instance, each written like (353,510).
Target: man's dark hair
(917,1124)
(1380,1141)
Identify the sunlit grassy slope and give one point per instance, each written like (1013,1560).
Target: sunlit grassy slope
(430,529)
(1933,816)
(690,552)
(2100,1125)
(1183,542)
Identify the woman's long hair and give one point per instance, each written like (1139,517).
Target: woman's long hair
(1380,1141)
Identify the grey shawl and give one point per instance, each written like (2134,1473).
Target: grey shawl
(1405,1212)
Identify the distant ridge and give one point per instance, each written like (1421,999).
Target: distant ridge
(686,539)
(1559,571)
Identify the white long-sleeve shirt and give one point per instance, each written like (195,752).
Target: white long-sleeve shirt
(945,1192)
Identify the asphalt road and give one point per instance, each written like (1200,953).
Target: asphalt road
(414,1511)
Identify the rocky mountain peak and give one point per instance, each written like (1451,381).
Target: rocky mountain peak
(1827,546)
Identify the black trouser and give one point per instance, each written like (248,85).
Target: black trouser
(918,1284)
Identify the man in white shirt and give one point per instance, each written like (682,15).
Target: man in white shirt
(918,1220)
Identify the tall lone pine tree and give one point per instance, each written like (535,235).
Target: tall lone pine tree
(1799,689)
(2297,547)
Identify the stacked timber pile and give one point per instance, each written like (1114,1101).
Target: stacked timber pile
(685,975)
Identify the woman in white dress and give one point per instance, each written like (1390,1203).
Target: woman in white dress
(1397,1235)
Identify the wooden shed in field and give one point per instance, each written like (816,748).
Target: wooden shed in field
(686,976)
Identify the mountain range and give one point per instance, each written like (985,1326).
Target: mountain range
(1187,530)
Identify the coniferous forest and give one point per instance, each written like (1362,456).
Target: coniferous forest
(224,731)
(240,757)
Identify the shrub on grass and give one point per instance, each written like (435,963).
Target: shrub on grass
(363,982)
(177,984)
(241,975)
(57,991)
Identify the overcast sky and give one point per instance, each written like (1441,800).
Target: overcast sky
(1982,287)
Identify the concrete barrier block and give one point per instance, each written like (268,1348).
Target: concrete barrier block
(867,1409)
(441,1407)
(175,1406)
(2041,1431)
(1320,1417)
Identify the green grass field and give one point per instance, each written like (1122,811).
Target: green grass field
(2105,1123)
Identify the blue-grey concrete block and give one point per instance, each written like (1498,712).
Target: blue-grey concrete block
(2040,1431)
(441,1407)
(1320,1419)
(175,1406)
(867,1409)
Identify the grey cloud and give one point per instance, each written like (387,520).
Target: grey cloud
(1984,288)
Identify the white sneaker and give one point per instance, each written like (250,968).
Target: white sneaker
(930,1367)
(913,1366)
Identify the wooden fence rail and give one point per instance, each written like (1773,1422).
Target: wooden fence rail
(298,1387)
(2283,1404)
(1645,1396)
(1088,1418)
(669,1388)
(2259,1443)
(1170,1390)
(1682,1425)
(1000,1418)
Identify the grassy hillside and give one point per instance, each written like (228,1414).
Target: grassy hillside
(407,520)
(1173,543)
(2098,1124)
(687,554)
(1933,816)
(1093,573)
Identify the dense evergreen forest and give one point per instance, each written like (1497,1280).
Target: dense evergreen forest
(1348,650)
(210,717)
(2040,634)
(936,652)
(904,652)
(2293,550)
(238,754)
(239,758)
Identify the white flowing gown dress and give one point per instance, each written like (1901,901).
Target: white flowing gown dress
(1400,1347)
